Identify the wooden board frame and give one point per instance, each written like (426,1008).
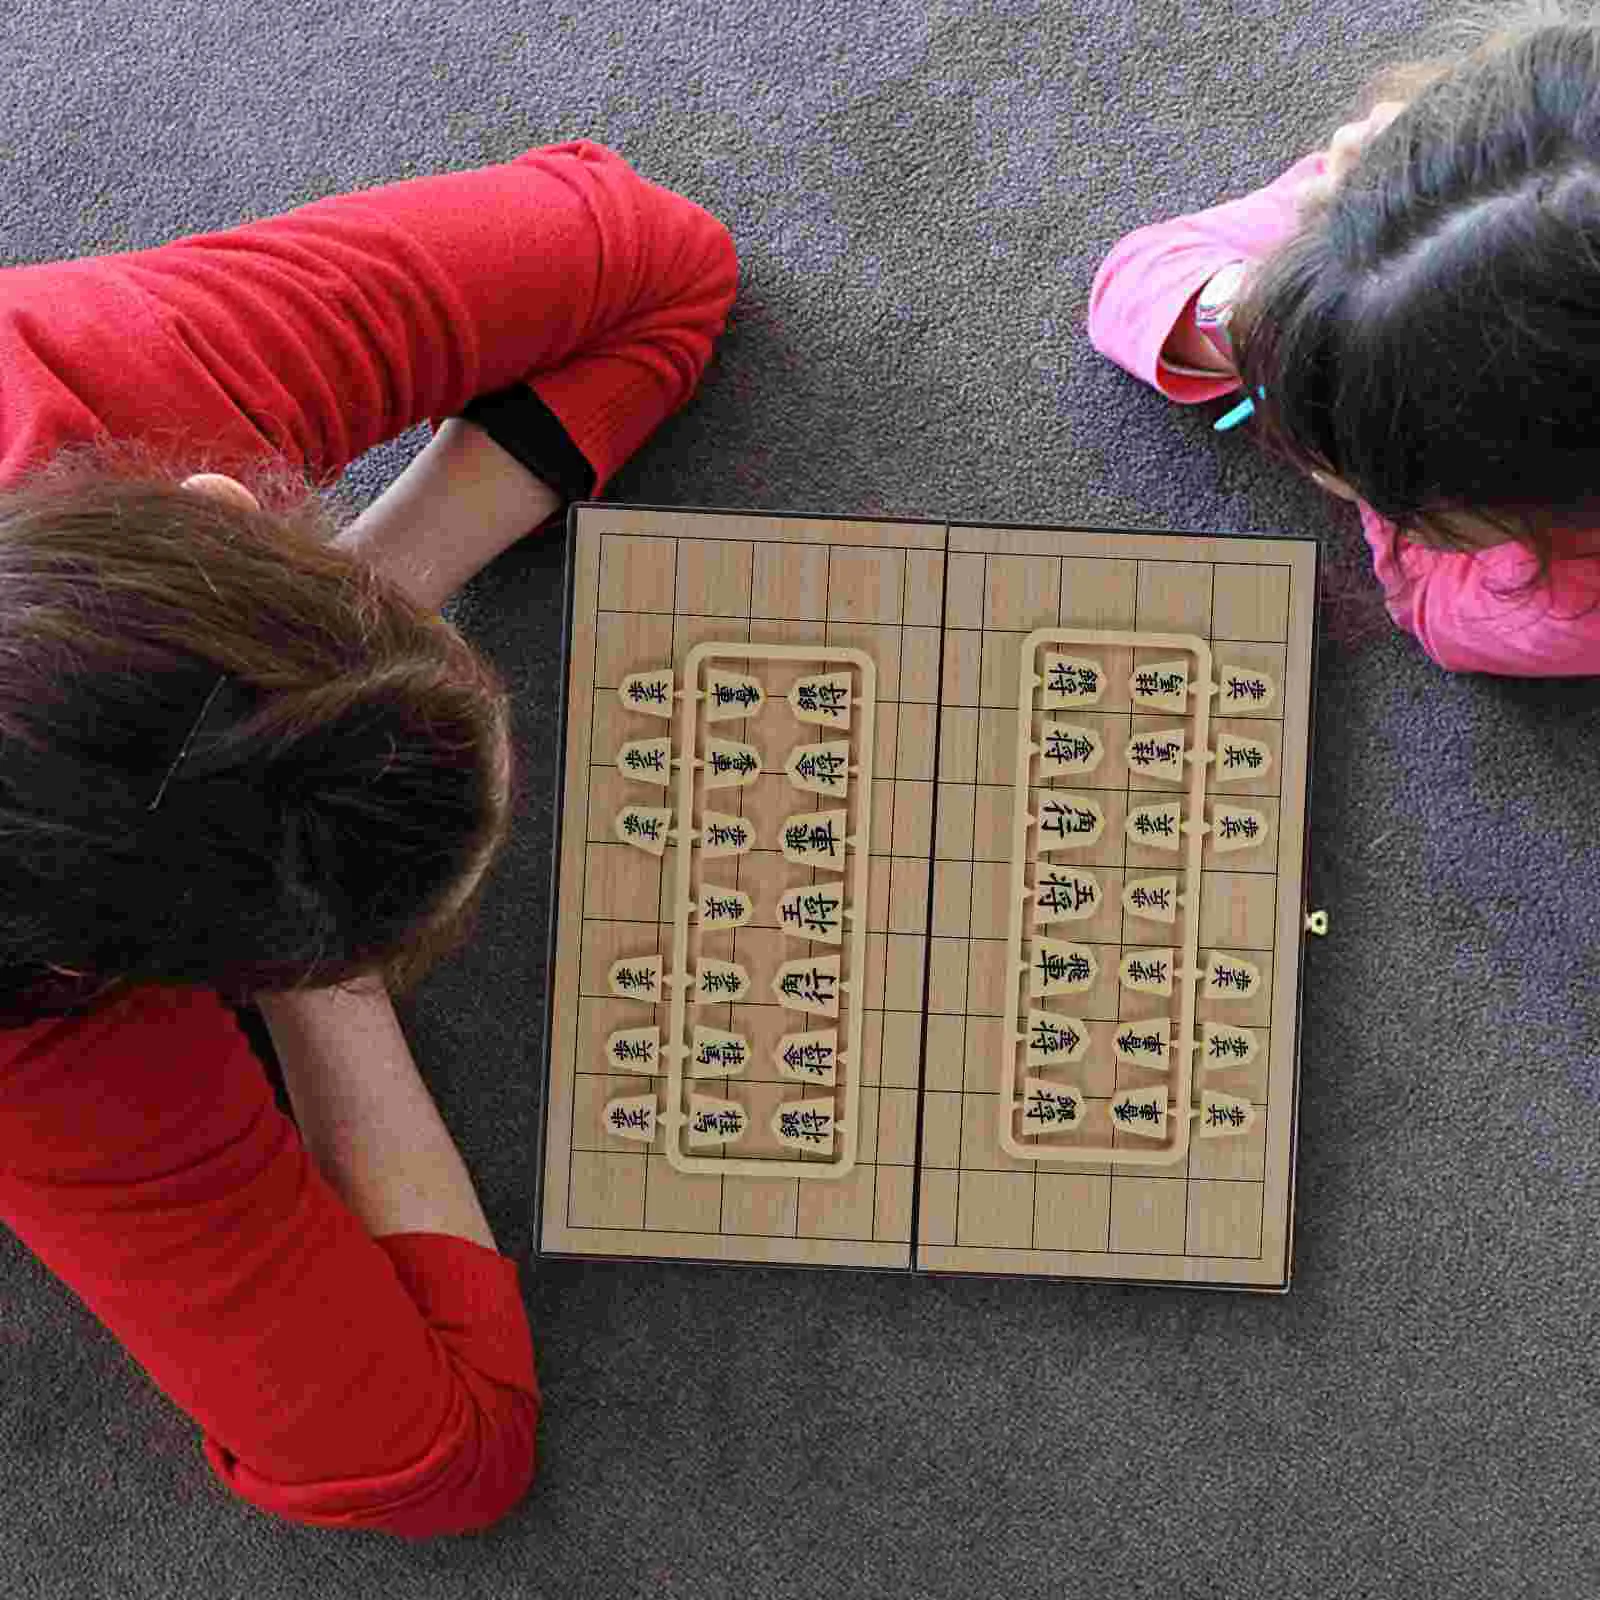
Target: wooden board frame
(928,1197)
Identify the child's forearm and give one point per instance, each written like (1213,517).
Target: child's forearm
(452,511)
(366,1116)
(1187,346)
(1142,289)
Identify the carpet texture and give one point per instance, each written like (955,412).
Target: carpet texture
(920,195)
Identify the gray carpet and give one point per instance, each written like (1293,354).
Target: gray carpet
(920,195)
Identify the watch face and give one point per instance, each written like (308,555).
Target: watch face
(1215,302)
(1215,333)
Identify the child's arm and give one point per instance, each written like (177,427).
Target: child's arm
(366,1116)
(1142,300)
(340,1379)
(325,331)
(460,502)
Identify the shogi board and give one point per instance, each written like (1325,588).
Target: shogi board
(943,610)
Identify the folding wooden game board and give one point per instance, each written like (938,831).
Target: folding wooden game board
(929,897)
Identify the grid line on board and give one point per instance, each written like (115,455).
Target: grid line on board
(583,902)
(919,1127)
(1122,934)
(1199,889)
(703,730)
(1266,1110)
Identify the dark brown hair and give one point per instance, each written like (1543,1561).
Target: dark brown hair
(333,809)
(1431,332)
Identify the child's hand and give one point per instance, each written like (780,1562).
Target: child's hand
(1344,151)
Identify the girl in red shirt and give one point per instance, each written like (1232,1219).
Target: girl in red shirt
(243,759)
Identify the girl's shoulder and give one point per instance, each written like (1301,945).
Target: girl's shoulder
(1496,611)
(156,1028)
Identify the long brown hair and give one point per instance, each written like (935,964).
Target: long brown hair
(231,756)
(1431,332)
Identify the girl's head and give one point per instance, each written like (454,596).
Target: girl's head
(230,756)
(1430,336)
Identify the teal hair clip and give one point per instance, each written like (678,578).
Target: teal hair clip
(1242,412)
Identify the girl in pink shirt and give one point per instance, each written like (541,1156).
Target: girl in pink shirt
(1414,315)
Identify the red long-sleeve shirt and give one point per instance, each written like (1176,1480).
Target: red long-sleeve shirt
(338,1379)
